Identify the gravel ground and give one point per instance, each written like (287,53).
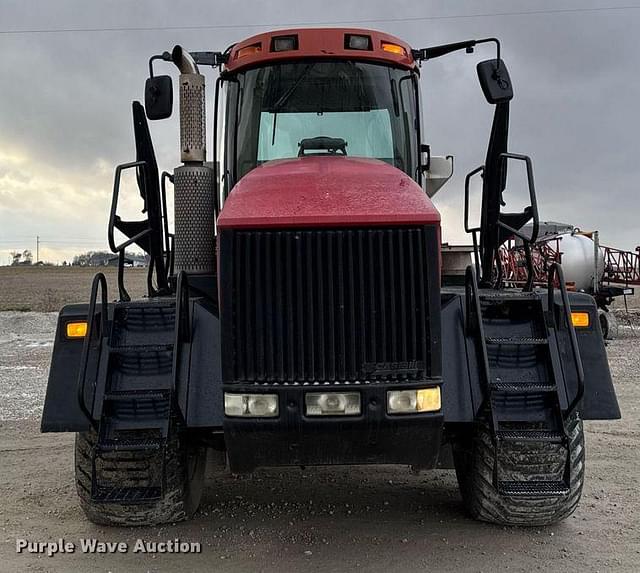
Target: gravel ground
(326,519)
(26,342)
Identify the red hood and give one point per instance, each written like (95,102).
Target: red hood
(328,192)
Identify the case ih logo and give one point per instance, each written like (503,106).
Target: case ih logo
(392,368)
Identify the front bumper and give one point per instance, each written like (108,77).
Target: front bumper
(294,439)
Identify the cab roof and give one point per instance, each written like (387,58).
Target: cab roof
(330,43)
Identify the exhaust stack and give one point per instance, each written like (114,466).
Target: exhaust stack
(194,185)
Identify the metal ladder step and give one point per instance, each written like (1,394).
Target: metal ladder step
(506,296)
(107,494)
(533,488)
(120,424)
(129,445)
(550,436)
(142,394)
(141,349)
(517,340)
(148,304)
(522,387)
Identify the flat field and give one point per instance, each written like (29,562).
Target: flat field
(47,289)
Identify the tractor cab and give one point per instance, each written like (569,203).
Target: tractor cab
(356,96)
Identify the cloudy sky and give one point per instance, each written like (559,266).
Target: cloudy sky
(65,100)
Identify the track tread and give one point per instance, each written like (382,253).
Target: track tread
(180,501)
(474,470)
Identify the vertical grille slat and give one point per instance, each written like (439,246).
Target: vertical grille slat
(280,308)
(370,258)
(402,296)
(290,306)
(270,310)
(365,334)
(413,346)
(249,326)
(391,270)
(309,305)
(320,311)
(318,305)
(352,329)
(299,332)
(330,332)
(260,307)
(422,317)
(341,344)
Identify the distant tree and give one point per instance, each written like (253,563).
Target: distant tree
(24,258)
(103,258)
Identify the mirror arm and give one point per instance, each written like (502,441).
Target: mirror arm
(425,54)
(165,56)
(212,59)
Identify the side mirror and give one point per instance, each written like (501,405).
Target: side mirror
(439,172)
(158,97)
(495,81)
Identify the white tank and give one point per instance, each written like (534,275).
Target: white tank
(579,261)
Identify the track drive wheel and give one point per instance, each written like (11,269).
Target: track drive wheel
(185,465)
(527,461)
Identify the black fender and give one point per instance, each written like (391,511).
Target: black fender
(62,412)
(462,384)
(199,389)
(599,402)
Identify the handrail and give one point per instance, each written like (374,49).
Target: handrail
(165,219)
(114,208)
(532,194)
(471,292)
(467,181)
(113,217)
(473,231)
(556,269)
(98,281)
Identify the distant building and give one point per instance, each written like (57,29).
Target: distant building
(130,260)
(108,259)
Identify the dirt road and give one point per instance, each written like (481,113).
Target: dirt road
(368,519)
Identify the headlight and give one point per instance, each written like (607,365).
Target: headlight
(251,405)
(332,403)
(413,401)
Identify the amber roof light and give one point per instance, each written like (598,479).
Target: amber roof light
(251,50)
(394,49)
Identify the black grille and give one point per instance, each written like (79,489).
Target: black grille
(327,305)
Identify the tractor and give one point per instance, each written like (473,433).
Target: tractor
(297,313)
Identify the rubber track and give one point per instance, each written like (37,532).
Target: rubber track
(526,461)
(179,502)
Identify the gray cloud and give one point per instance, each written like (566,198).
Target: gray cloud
(65,102)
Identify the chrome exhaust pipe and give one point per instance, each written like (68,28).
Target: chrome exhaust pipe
(194,184)
(192,108)
(184,61)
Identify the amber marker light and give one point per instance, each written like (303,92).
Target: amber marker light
(251,50)
(76,329)
(580,319)
(428,400)
(394,49)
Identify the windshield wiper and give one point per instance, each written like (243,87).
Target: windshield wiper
(284,98)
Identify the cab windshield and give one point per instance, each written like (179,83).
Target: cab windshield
(272,109)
